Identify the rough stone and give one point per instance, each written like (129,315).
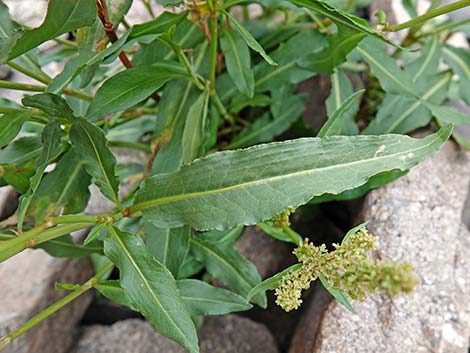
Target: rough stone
(27,287)
(224,334)
(418,219)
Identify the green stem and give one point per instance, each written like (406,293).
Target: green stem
(66,42)
(5,110)
(296,238)
(28,325)
(149,8)
(221,108)
(43,78)
(430,14)
(36,88)
(131,145)
(37,236)
(214,32)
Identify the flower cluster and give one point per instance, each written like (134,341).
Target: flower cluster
(349,269)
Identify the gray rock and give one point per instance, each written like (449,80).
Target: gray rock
(418,219)
(27,287)
(225,334)
(8,201)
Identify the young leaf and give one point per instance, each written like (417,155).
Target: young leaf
(237,59)
(10,126)
(227,265)
(338,295)
(159,25)
(150,288)
(271,282)
(252,185)
(89,143)
(203,299)
(169,246)
(249,39)
(62,17)
(51,104)
(341,89)
(131,86)
(335,125)
(458,59)
(226,236)
(193,132)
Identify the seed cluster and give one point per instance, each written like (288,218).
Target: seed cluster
(349,269)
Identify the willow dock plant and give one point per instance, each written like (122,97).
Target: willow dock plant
(202,93)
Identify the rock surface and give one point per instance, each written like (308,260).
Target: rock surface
(225,334)
(27,287)
(418,219)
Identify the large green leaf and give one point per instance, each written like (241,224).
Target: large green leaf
(237,59)
(10,126)
(248,186)
(228,266)
(203,299)
(62,16)
(150,288)
(131,86)
(169,246)
(90,145)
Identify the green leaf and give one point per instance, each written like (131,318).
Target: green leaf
(77,64)
(89,143)
(9,33)
(225,236)
(66,247)
(340,45)
(159,25)
(391,77)
(112,290)
(62,17)
(150,288)
(52,147)
(353,231)
(252,185)
(62,191)
(335,125)
(21,150)
(249,39)
(203,299)
(130,87)
(338,295)
(52,104)
(237,59)
(193,132)
(275,232)
(227,265)
(458,59)
(341,89)
(271,283)
(340,17)
(10,126)
(168,246)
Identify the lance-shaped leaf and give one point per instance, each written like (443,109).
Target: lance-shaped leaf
(341,89)
(237,59)
(340,17)
(65,247)
(89,143)
(193,132)
(131,86)
(159,25)
(62,16)
(228,266)
(169,246)
(10,125)
(458,59)
(449,114)
(391,77)
(150,288)
(203,299)
(335,125)
(9,33)
(248,186)
(52,147)
(249,39)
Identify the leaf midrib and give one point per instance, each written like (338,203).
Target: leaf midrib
(180,197)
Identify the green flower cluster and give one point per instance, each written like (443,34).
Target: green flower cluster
(349,269)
